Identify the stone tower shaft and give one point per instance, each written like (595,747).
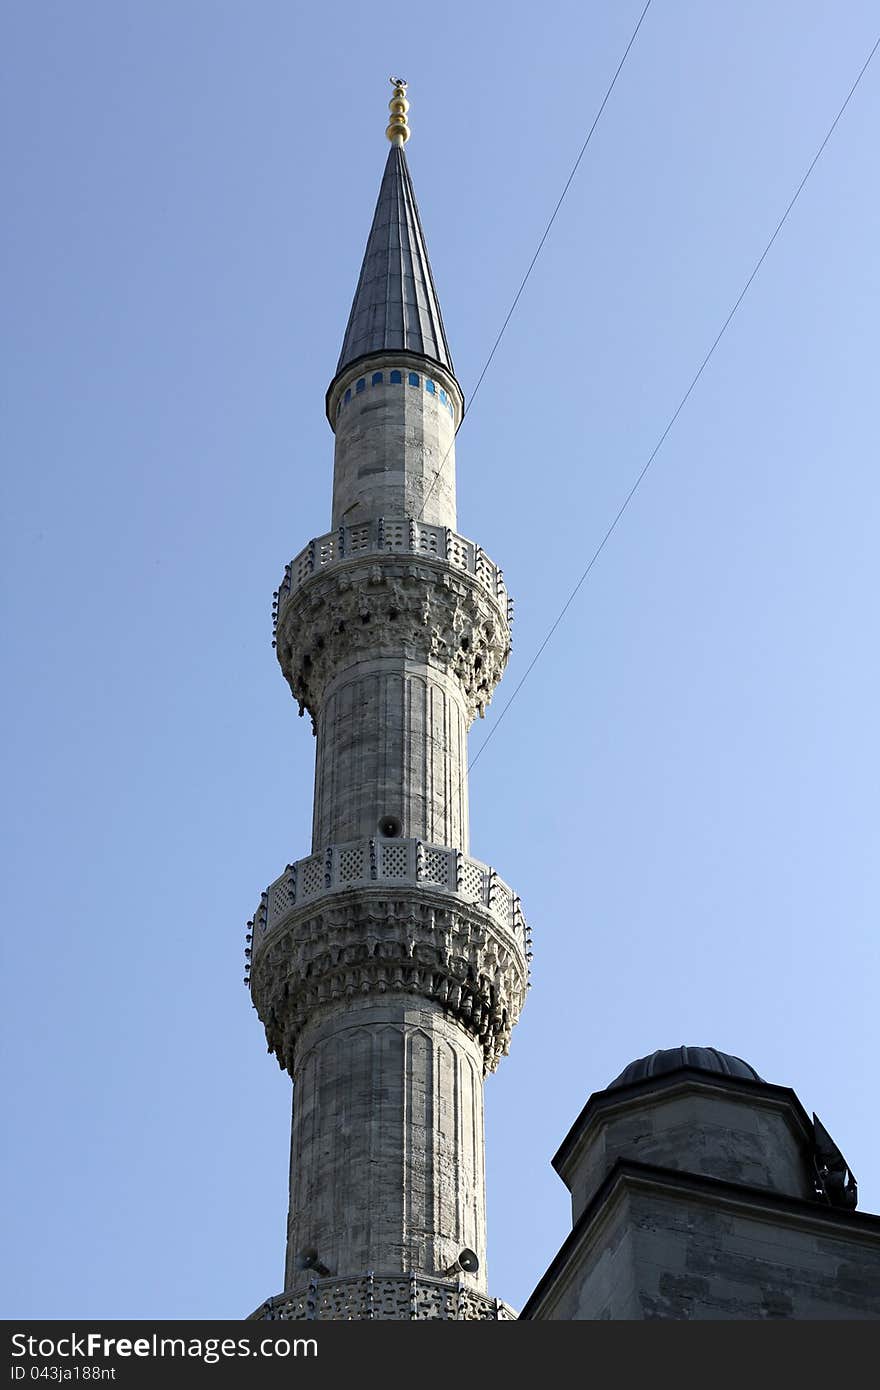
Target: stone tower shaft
(388,966)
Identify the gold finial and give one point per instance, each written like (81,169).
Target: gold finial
(398,131)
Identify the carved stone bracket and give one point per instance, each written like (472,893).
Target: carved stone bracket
(389,605)
(360,943)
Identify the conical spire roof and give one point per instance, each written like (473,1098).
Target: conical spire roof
(395,304)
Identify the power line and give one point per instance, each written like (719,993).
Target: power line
(539,249)
(634,489)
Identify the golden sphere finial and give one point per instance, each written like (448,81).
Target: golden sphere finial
(398,131)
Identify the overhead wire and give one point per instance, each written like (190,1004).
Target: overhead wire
(538,250)
(672,419)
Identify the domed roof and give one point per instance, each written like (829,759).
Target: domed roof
(669,1059)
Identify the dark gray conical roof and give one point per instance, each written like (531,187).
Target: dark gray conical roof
(669,1059)
(395,304)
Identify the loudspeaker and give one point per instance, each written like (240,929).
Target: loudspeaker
(467,1263)
(307,1258)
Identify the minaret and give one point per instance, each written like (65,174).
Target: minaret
(388,966)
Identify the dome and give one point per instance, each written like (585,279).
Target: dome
(669,1059)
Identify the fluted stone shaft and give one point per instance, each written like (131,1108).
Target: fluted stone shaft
(387,1168)
(395,417)
(391,744)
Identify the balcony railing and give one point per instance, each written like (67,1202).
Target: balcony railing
(400,535)
(391,864)
(384,1298)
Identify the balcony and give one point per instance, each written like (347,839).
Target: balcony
(400,536)
(390,864)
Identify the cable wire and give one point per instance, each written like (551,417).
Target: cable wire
(678,409)
(539,249)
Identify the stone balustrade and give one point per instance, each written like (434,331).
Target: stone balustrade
(391,864)
(398,535)
(384,1298)
(388,916)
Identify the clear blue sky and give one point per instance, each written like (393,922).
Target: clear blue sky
(686,791)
